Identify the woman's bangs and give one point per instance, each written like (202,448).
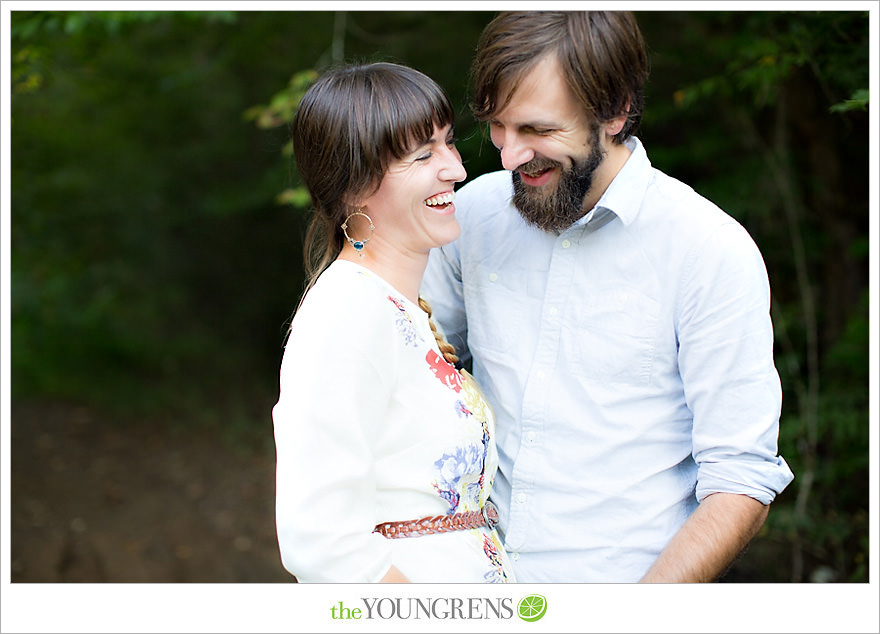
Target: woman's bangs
(416,112)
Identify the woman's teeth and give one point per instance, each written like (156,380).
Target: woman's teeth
(441,200)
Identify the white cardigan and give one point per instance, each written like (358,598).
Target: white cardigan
(372,425)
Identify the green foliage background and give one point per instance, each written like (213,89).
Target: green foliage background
(157,216)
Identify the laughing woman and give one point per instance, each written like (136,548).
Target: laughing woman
(385,452)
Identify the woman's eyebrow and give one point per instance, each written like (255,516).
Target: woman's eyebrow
(433,139)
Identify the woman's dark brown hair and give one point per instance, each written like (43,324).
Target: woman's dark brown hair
(602,55)
(350,125)
(348,128)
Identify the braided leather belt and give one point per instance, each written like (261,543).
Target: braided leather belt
(487,516)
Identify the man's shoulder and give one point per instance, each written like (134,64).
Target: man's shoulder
(666,194)
(673,196)
(691,221)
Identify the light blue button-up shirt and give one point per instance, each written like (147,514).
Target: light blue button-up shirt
(629,361)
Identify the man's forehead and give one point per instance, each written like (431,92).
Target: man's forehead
(530,79)
(540,97)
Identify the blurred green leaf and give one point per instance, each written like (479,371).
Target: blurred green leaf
(858,101)
(296,196)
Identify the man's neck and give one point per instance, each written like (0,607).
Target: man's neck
(615,158)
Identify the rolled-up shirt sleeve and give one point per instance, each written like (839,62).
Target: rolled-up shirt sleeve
(333,394)
(726,363)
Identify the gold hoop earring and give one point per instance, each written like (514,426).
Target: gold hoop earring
(358,244)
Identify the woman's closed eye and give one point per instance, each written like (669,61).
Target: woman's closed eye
(427,155)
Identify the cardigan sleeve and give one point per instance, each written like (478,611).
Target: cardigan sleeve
(335,385)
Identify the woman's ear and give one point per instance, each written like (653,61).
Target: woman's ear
(354,202)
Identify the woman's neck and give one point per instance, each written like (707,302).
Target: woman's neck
(403,271)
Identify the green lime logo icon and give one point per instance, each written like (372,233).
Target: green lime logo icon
(532,607)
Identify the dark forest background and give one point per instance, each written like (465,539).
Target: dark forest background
(157,219)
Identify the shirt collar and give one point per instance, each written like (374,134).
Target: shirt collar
(623,197)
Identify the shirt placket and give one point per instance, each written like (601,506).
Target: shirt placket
(534,448)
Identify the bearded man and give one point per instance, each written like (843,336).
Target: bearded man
(618,321)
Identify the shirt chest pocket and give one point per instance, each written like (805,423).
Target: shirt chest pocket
(612,336)
(497,315)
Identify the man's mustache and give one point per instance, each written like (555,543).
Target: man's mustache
(538,164)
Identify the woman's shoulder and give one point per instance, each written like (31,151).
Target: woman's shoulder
(351,302)
(344,287)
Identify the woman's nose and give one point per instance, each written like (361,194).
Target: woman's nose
(453,169)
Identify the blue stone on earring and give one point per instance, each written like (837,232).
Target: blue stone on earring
(358,244)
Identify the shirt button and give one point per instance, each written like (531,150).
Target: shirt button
(554,311)
(514,556)
(566,244)
(541,374)
(521,498)
(531,436)
(493,277)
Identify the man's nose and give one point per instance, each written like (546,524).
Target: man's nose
(514,151)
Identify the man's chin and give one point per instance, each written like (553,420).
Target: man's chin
(541,207)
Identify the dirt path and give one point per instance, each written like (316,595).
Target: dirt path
(97,502)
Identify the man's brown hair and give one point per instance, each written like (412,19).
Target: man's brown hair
(602,55)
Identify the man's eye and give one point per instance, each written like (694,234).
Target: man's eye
(424,157)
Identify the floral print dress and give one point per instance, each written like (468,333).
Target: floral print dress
(373,425)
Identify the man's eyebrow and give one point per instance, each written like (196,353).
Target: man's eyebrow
(534,125)
(539,125)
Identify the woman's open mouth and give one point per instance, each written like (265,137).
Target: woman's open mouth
(440,202)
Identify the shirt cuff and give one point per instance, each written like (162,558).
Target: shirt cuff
(762,480)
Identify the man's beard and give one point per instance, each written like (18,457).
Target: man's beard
(558,209)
